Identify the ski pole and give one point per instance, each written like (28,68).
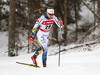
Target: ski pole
(61,23)
(59,48)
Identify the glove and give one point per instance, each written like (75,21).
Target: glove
(31,40)
(61,23)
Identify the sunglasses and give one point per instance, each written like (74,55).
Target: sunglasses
(51,14)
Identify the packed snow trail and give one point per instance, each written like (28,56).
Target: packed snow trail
(77,63)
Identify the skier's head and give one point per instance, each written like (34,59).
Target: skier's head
(50,12)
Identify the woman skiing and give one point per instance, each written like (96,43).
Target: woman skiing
(45,22)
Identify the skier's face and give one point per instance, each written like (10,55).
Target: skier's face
(50,15)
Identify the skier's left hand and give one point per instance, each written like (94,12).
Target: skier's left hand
(61,23)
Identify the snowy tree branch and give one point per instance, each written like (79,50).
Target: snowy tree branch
(90,9)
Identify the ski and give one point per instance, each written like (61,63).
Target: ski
(28,64)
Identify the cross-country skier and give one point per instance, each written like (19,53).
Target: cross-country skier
(45,22)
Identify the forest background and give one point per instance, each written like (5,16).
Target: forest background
(17,17)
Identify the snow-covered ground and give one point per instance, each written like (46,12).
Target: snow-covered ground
(77,63)
(74,63)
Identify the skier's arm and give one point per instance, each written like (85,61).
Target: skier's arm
(59,23)
(36,26)
(34,29)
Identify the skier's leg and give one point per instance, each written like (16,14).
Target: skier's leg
(45,50)
(44,56)
(39,50)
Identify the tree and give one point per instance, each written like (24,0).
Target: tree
(90,9)
(12,25)
(0,10)
(29,20)
(0,13)
(76,17)
(98,9)
(55,28)
(65,24)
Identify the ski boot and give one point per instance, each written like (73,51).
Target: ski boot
(44,65)
(34,60)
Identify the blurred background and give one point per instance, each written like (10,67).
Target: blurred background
(17,18)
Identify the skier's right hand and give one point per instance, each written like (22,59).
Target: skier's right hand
(31,40)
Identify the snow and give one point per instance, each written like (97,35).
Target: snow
(87,15)
(79,63)
(74,63)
